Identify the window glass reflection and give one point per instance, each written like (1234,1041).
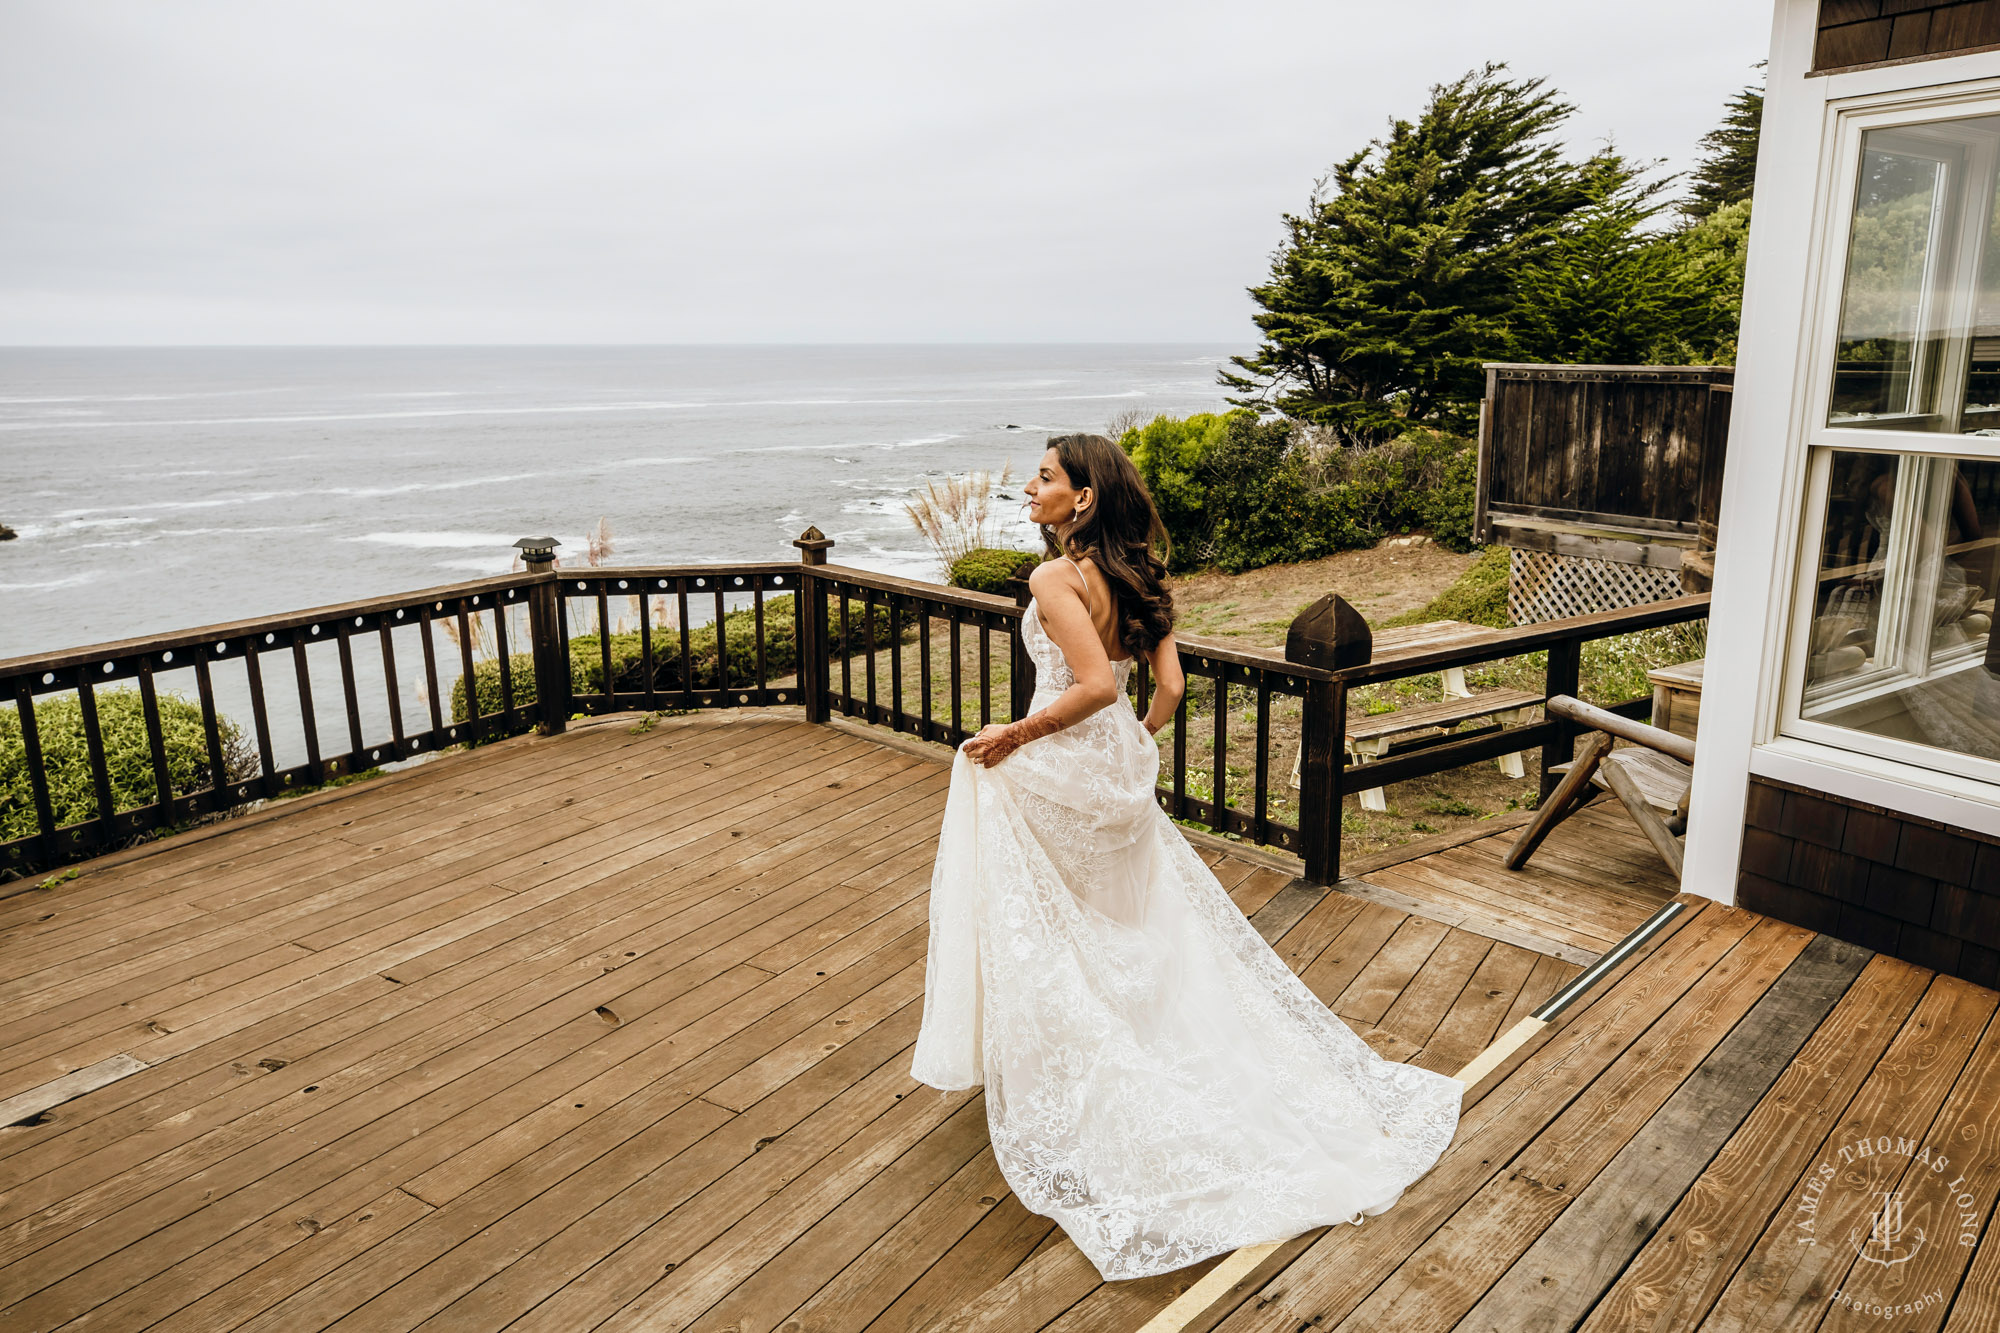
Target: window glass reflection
(1919,337)
(1901,642)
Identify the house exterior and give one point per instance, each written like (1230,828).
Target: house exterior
(1849,770)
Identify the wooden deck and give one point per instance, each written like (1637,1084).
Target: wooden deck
(612,1031)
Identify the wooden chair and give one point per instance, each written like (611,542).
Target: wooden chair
(1651,781)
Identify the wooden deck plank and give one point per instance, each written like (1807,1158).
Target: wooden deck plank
(759,975)
(1782,1284)
(1571,1263)
(1675,1278)
(1505,1112)
(1436,1285)
(723,964)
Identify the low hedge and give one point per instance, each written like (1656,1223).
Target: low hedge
(988,568)
(628,665)
(121,721)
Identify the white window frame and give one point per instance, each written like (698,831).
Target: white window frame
(1816,439)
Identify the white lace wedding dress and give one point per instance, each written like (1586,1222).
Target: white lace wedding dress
(1157,1080)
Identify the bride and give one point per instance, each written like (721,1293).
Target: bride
(1157,1080)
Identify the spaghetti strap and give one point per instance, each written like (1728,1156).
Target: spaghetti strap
(1086,582)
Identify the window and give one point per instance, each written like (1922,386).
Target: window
(1893,648)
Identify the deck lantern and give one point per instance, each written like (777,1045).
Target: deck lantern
(538,553)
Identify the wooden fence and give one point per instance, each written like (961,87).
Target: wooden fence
(843,640)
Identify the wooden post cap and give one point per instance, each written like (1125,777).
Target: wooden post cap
(813,546)
(1329,634)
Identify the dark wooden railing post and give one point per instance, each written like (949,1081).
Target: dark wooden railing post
(1564,675)
(552,683)
(1020,667)
(809,609)
(1330,635)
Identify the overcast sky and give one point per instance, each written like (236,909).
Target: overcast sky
(414,172)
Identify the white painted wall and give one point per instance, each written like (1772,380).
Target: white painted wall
(1763,486)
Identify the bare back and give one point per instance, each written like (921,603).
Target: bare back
(1102,605)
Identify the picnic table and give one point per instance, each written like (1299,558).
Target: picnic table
(1372,737)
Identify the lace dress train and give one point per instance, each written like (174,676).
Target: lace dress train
(1157,1080)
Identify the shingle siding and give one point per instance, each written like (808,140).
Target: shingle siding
(1897,884)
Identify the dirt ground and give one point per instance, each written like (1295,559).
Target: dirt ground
(1400,574)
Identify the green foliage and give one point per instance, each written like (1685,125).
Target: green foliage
(1728,166)
(1392,287)
(1466,236)
(1479,597)
(988,568)
(121,721)
(1246,492)
(1172,455)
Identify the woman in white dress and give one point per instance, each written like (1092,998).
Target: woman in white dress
(1157,1080)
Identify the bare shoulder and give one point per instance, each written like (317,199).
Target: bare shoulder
(1052,575)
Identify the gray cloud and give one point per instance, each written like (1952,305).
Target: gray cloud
(879,171)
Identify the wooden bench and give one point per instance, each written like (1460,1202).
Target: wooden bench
(1373,737)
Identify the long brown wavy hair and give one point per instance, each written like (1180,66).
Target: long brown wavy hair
(1122,533)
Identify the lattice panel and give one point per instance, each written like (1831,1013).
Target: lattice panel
(1544,586)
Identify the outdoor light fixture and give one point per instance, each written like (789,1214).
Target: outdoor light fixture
(538,551)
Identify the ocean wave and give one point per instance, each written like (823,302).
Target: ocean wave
(252,497)
(491,565)
(553,409)
(433,540)
(218,532)
(71,581)
(649,462)
(408,486)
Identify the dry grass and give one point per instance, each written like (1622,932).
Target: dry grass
(956,515)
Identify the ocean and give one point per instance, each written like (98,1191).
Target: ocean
(162,489)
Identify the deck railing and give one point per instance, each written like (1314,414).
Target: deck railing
(529,650)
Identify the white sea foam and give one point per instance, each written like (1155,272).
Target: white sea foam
(429,540)
(408,486)
(70,581)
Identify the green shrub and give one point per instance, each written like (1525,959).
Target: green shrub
(121,721)
(988,568)
(628,662)
(1237,492)
(1479,596)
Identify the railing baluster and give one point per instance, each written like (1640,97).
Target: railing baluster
(924,670)
(604,637)
(868,629)
(1220,820)
(100,775)
(646,650)
(431,672)
(985,675)
(506,666)
(38,779)
(757,611)
(309,723)
(957,681)
(1180,758)
(721,647)
(211,727)
(253,670)
(846,659)
(348,695)
(897,711)
(394,684)
(1262,827)
(156,743)
(475,721)
(687,651)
